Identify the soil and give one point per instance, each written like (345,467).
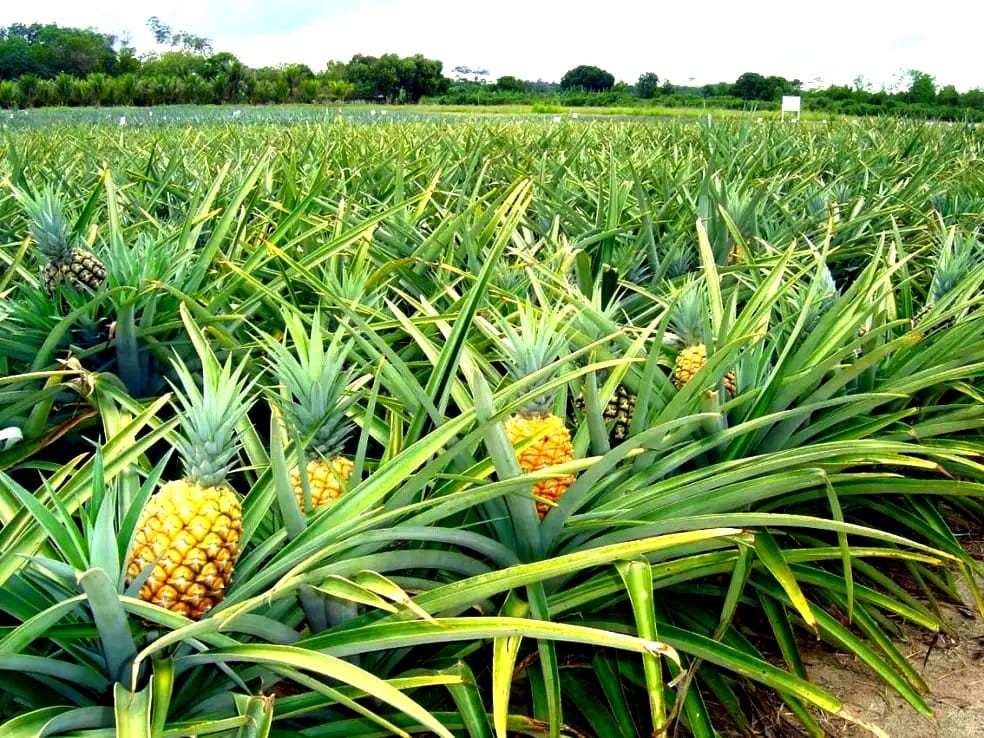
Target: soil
(951,663)
(952,667)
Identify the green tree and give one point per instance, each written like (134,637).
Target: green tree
(294,75)
(66,87)
(647,86)
(948,95)
(226,76)
(754,86)
(922,87)
(48,50)
(10,96)
(586,77)
(718,89)
(385,76)
(97,89)
(339,89)
(336,70)
(973,99)
(28,84)
(46,93)
(422,76)
(509,83)
(173,64)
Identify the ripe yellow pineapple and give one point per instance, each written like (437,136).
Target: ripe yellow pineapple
(688,321)
(64,261)
(312,379)
(542,438)
(188,532)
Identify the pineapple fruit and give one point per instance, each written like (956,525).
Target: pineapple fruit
(312,379)
(541,437)
(65,262)
(188,532)
(618,412)
(595,324)
(688,322)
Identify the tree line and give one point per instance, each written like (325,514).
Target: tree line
(46,65)
(917,94)
(49,65)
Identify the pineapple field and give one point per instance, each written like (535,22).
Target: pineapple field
(366,425)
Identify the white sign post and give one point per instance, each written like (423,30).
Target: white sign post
(790,104)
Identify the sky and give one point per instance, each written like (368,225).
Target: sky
(697,42)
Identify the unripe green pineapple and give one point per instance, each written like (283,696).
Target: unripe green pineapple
(189,530)
(312,378)
(66,261)
(618,412)
(597,323)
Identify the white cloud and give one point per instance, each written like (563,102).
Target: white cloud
(709,41)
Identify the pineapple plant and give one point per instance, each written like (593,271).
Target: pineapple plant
(66,261)
(689,322)
(312,379)
(955,259)
(824,298)
(187,535)
(540,437)
(619,409)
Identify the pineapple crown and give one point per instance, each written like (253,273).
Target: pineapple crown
(46,214)
(631,263)
(679,260)
(689,317)
(824,298)
(596,321)
(955,258)
(313,378)
(209,415)
(542,337)
(352,279)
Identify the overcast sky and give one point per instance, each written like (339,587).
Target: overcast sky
(695,42)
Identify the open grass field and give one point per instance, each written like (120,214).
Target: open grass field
(336,423)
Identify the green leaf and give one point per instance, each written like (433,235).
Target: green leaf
(504,651)
(468,700)
(118,646)
(56,720)
(161,690)
(323,664)
(132,712)
(258,711)
(769,554)
(638,578)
